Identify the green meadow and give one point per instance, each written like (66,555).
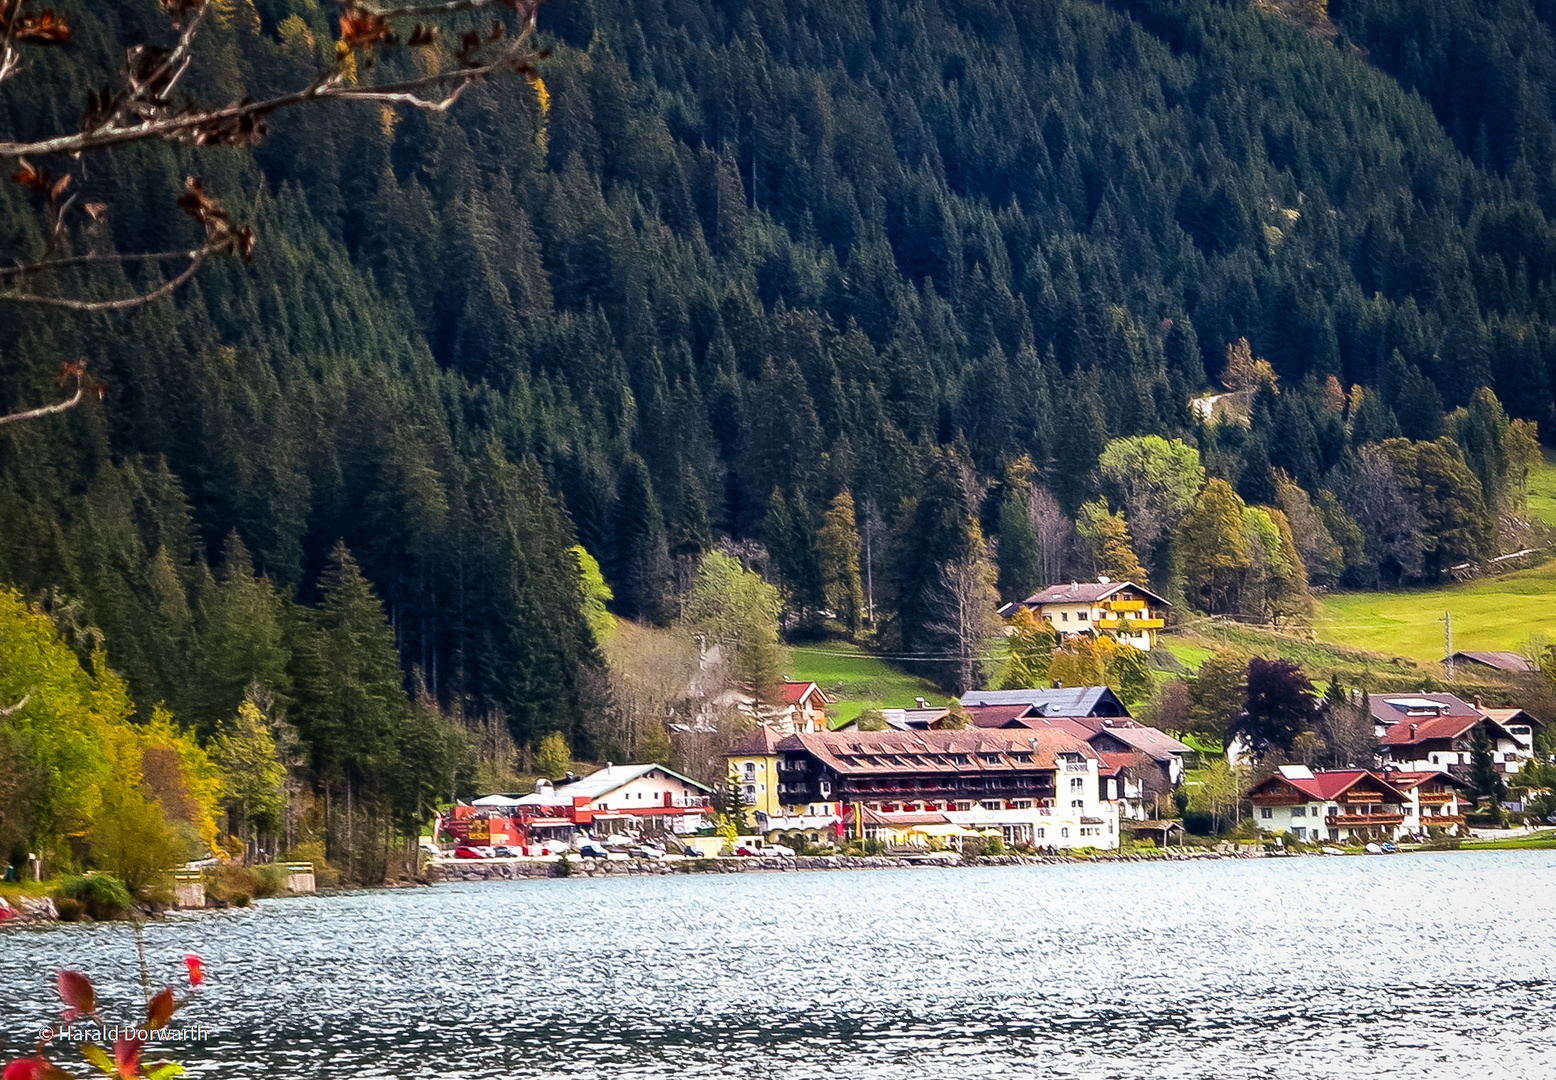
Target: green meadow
(1499,613)
(856,680)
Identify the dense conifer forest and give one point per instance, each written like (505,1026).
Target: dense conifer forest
(731,260)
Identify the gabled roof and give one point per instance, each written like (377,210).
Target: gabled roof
(603,782)
(1502,661)
(869,753)
(761,742)
(995,716)
(1330,784)
(1504,717)
(1391,709)
(912,719)
(1157,745)
(1405,781)
(1089,592)
(1426,728)
(796,692)
(1053,700)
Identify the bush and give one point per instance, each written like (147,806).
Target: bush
(239,899)
(269,880)
(69,910)
(225,882)
(994,845)
(101,896)
(563,867)
(312,851)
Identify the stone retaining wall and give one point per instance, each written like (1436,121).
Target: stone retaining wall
(478,870)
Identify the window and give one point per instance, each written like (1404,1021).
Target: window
(962,806)
(750,770)
(991,759)
(1064,616)
(1333,810)
(1081,615)
(1077,783)
(1025,759)
(1266,812)
(959,759)
(1299,811)
(1021,804)
(1300,833)
(993,804)
(750,791)
(1039,832)
(1078,802)
(1065,831)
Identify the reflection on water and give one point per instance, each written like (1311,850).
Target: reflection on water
(1414,966)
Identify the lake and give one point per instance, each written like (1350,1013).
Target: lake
(1412,966)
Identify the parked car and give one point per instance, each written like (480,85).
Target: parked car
(592,849)
(747,849)
(647,851)
(469,853)
(778,849)
(503,851)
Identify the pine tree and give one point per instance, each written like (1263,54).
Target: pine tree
(837,549)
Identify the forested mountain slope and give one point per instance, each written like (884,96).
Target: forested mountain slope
(741,257)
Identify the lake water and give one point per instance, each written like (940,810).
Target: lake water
(1414,966)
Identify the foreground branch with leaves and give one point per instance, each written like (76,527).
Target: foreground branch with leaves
(113,1050)
(150,104)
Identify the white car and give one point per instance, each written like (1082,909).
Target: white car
(778,849)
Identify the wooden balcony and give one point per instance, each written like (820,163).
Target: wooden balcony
(1364,821)
(1435,798)
(1122,605)
(1443,820)
(1130,626)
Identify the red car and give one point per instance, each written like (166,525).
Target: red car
(468,853)
(744,850)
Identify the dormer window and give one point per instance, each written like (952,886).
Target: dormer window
(991,759)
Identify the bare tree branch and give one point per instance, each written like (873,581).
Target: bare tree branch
(12,710)
(73,371)
(196,259)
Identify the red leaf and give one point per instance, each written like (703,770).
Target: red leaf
(126,1056)
(76,990)
(160,1011)
(196,968)
(34,1068)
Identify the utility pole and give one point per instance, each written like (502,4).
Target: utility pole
(1447,621)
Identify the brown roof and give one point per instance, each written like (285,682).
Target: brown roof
(1509,716)
(1502,661)
(995,716)
(762,742)
(856,753)
(1088,592)
(1404,781)
(1426,728)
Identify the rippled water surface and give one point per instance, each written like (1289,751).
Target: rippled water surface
(1420,966)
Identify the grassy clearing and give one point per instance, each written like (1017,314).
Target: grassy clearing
(1490,614)
(856,680)
(1542,489)
(1543,840)
(1190,653)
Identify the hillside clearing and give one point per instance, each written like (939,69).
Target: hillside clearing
(1498,613)
(856,680)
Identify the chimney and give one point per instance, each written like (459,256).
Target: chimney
(1057,685)
(608,765)
(1103,579)
(922,703)
(1477,703)
(1413,731)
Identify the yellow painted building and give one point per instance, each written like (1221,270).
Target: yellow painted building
(753,763)
(1124,609)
